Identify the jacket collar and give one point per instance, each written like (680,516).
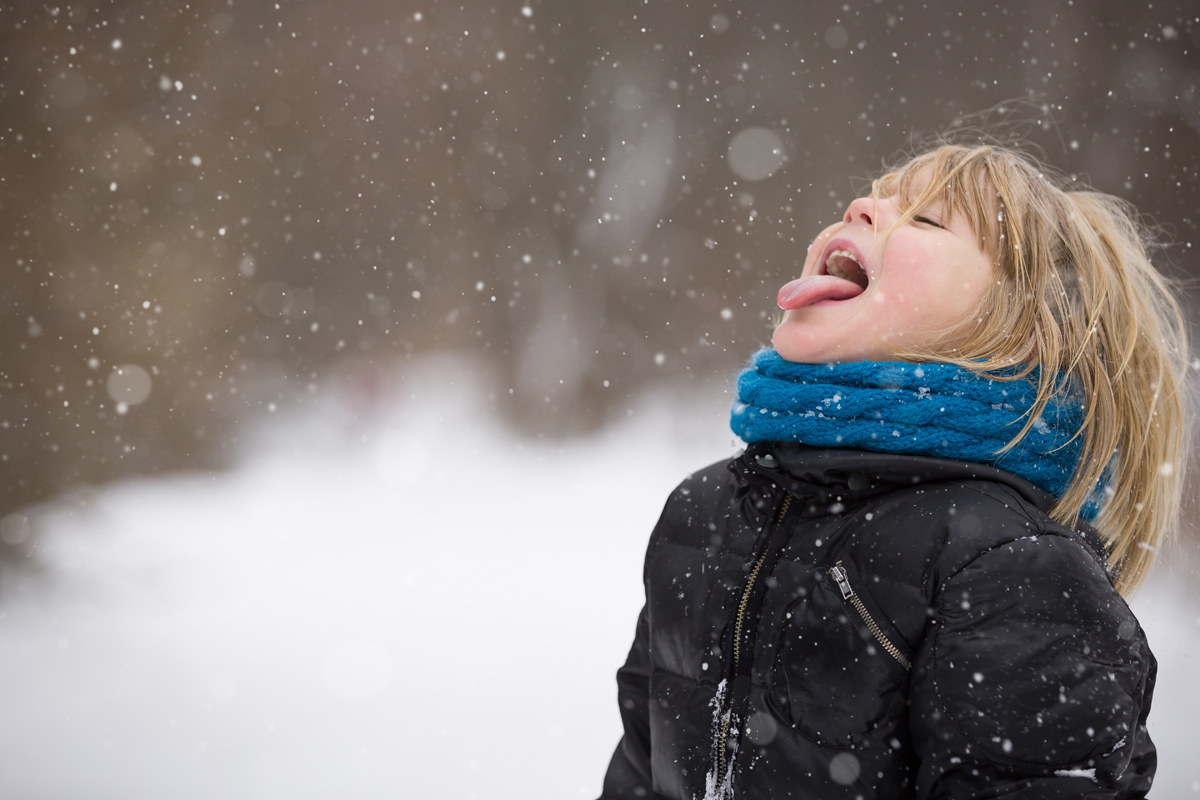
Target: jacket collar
(856,475)
(859,474)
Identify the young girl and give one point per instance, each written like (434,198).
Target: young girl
(964,451)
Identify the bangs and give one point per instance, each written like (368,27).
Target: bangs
(961,181)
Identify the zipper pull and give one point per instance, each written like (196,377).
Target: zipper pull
(843,581)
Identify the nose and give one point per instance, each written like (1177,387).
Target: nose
(861,210)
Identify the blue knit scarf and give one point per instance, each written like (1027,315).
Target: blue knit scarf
(928,409)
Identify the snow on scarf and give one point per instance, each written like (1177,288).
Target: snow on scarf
(927,409)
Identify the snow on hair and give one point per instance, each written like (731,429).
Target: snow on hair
(1075,292)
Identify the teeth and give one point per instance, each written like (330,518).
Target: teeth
(843,253)
(844,264)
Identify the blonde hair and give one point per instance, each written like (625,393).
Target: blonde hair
(1075,293)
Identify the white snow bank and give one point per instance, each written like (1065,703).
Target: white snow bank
(422,605)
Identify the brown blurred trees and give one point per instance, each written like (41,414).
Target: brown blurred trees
(239,198)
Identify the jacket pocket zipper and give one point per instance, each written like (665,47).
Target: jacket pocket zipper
(843,581)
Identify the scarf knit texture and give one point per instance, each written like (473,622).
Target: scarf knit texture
(928,409)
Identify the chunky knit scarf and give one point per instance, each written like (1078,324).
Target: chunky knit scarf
(921,409)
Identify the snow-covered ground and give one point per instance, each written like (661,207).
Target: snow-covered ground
(421,605)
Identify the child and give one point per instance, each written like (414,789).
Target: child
(964,452)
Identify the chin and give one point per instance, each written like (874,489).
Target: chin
(829,343)
(794,346)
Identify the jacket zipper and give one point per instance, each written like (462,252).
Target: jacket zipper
(739,627)
(843,581)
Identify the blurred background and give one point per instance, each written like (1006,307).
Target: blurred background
(415,248)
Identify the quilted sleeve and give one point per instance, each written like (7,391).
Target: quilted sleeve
(628,773)
(1034,682)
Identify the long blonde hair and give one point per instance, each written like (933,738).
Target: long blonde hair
(1075,292)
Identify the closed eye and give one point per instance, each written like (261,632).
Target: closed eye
(928,221)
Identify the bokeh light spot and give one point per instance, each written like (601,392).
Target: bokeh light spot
(844,768)
(762,728)
(129,384)
(756,154)
(836,37)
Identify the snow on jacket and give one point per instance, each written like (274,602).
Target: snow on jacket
(835,623)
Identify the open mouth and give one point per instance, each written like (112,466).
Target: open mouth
(840,276)
(844,264)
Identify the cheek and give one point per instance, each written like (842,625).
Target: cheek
(939,279)
(912,275)
(912,257)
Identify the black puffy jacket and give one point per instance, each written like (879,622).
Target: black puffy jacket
(830,623)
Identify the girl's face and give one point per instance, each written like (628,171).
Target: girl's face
(853,299)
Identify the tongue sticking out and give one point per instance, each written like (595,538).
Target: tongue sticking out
(806,291)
